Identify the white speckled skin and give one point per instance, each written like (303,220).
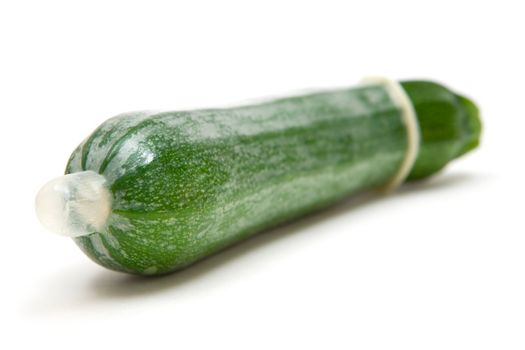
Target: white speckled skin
(186,184)
(167,189)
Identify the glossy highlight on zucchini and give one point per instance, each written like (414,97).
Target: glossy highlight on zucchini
(162,190)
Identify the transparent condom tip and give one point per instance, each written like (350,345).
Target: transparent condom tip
(75,204)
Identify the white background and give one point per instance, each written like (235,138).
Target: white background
(438,265)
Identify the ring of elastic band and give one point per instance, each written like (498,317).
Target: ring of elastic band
(409,118)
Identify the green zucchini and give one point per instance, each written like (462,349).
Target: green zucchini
(179,186)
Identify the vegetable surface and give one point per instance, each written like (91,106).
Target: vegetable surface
(187,184)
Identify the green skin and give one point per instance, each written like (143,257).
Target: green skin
(188,184)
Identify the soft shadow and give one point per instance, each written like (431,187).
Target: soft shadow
(99,285)
(438,183)
(107,285)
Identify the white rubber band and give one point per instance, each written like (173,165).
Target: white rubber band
(409,118)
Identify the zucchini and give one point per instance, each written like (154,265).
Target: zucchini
(150,193)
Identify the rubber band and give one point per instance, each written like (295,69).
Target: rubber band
(409,119)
